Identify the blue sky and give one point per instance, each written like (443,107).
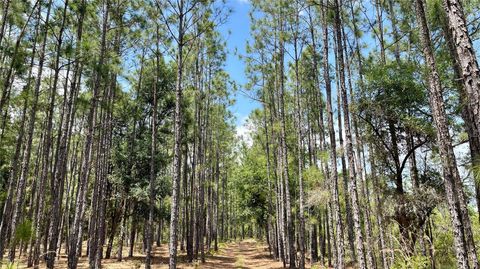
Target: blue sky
(236,31)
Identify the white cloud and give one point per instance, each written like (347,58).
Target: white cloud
(244,131)
(244,1)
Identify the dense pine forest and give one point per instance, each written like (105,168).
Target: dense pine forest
(121,147)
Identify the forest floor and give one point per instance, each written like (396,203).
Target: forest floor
(245,254)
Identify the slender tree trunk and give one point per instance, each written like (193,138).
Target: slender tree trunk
(177,142)
(13,183)
(77,229)
(9,77)
(466,59)
(340,256)
(467,66)
(26,160)
(348,142)
(5,13)
(59,175)
(133,232)
(123,231)
(284,152)
(444,141)
(379,212)
(300,157)
(149,230)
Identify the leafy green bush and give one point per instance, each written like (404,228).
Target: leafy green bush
(413,262)
(24,231)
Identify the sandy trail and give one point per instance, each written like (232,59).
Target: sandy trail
(244,255)
(247,254)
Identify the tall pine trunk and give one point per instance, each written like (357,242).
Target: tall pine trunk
(76,237)
(444,141)
(352,186)
(177,141)
(333,184)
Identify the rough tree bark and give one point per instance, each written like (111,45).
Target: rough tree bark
(339,263)
(444,141)
(348,142)
(284,150)
(178,138)
(299,115)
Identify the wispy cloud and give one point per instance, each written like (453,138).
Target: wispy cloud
(244,1)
